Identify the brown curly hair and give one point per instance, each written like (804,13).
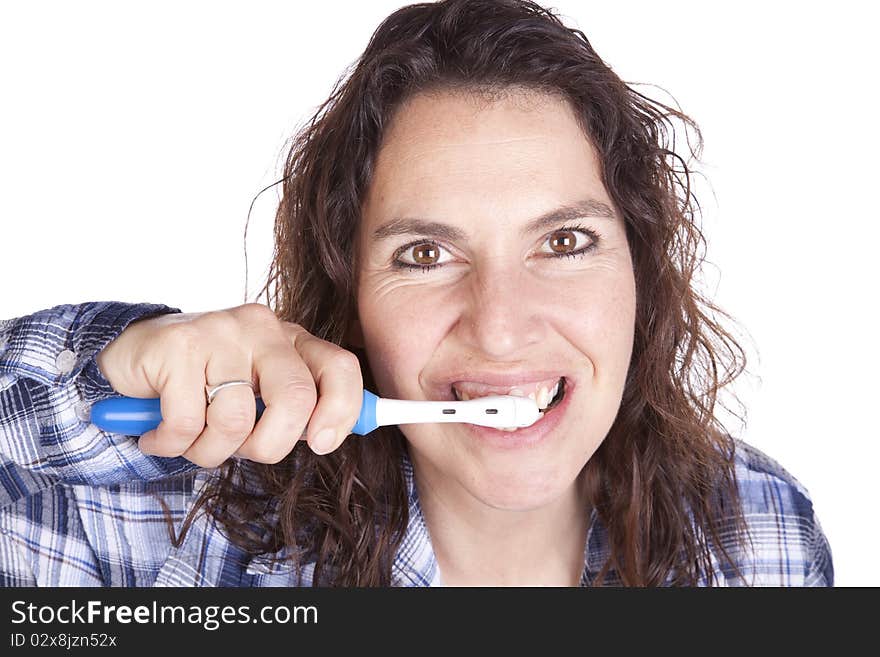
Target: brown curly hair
(663,481)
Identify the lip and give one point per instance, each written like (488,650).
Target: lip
(527,437)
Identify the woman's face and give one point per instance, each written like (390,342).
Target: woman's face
(492,258)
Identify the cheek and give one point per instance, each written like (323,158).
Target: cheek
(401,328)
(609,313)
(599,319)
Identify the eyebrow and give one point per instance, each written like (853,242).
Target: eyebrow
(439,230)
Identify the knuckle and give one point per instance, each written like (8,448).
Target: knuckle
(292,328)
(346,362)
(237,420)
(185,337)
(170,449)
(198,460)
(275,456)
(206,462)
(295,334)
(300,392)
(186,425)
(270,454)
(257,313)
(221,322)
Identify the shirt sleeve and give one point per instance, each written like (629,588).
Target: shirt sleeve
(48,381)
(820,571)
(787,545)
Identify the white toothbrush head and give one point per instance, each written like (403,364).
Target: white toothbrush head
(500,411)
(497,411)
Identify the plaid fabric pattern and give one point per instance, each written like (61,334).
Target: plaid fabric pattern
(81,507)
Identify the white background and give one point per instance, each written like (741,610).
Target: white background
(134,137)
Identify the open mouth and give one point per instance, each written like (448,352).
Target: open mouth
(546,395)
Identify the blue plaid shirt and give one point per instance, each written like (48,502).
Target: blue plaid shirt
(80,507)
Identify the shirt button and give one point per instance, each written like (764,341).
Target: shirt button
(65,361)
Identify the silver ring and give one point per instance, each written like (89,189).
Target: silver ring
(210,392)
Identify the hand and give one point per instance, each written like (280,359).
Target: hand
(302,379)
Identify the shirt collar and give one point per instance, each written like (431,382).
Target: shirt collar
(416,563)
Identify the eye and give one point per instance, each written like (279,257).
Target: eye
(423,255)
(570,241)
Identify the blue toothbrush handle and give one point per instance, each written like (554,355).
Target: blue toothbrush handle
(132,416)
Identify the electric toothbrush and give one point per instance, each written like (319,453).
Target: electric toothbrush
(133,416)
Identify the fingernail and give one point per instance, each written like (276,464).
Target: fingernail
(324,441)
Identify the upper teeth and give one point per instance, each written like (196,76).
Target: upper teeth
(542,396)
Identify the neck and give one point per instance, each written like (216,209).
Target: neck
(476,545)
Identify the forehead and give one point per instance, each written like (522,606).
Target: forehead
(454,149)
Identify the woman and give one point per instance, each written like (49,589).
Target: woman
(481,207)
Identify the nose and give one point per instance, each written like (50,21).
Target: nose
(502,314)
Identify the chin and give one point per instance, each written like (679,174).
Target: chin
(521,490)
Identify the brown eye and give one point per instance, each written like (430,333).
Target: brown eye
(563,241)
(425,254)
(570,242)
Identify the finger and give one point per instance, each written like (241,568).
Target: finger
(230,416)
(182,406)
(337,374)
(288,391)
